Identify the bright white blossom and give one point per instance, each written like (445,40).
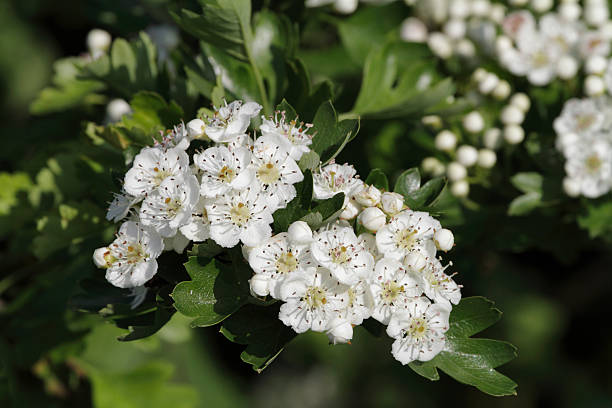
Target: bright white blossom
(152,166)
(291,135)
(418,331)
(242,216)
(224,170)
(408,231)
(231,121)
(131,259)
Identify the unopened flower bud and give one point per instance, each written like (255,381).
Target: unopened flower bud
(445,141)
(571,187)
(300,233)
(595,64)
(195,128)
(351,210)
(372,218)
(116,109)
(98,42)
(460,188)
(488,83)
(594,85)
(502,90)
(473,122)
(413,30)
(340,331)
(259,285)
(514,134)
(512,115)
(415,261)
(492,138)
(444,239)
(456,171)
(567,67)
(440,45)
(521,101)
(467,155)
(392,203)
(368,196)
(433,166)
(486,158)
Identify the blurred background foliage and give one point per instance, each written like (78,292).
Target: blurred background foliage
(543,271)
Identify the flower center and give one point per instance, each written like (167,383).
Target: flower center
(540,59)
(315,297)
(240,214)
(585,122)
(406,239)
(268,173)
(339,255)
(593,163)
(286,263)
(134,254)
(160,175)
(391,291)
(226,174)
(173,206)
(417,329)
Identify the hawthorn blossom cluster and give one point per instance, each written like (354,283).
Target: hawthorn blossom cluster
(332,279)
(584,137)
(329,280)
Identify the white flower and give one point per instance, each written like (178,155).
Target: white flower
(368,242)
(277,259)
(351,210)
(579,116)
(594,43)
(335,178)
(151,167)
(338,249)
(99,257)
(290,135)
(171,205)
(224,169)
(590,164)
(313,300)
(178,137)
(518,24)
(436,285)
(408,231)
(392,289)
(131,258)
(198,227)
(240,216)
(392,203)
(419,331)
(372,218)
(368,196)
(231,121)
(275,171)
(120,206)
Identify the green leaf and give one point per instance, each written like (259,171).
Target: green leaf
(393,82)
(309,161)
(330,208)
(223,23)
(290,113)
(151,113)
(427,195)
(597,218)
(525,203)
(261,330)
(469,360)
(378,179)
(216,290)
(131,66)
(330,137)
(296,208)
(363,31)
(528,182)
(408,182)
(68,89)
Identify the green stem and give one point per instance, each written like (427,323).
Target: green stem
(258,78)
(348,115)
